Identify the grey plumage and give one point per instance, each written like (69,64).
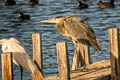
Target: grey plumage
(76,29)
(19,54)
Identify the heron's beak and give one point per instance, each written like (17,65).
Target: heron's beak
(1,42)
(49,21)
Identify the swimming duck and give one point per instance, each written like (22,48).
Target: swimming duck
(81,5)
(10,2)
(21,16)
(32,2)
(106,4)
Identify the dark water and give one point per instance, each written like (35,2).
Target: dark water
(99,19)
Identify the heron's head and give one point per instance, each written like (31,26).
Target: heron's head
(2,41)
(56,19)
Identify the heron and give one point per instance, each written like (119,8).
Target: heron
(77,30)
(106,4)
(19,54)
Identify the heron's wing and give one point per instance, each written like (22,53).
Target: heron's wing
(25,61)
(78,29)
(20,56)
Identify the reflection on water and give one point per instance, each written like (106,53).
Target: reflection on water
(99,19)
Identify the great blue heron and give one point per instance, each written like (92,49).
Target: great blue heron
(106,4)
(76,29)
(20,56)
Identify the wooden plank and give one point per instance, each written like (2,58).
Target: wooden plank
(81,55)
(7,66)
(63,62)
(76,59)
(37,56)
(114,53)
(37,75)
(96,71)
(85,55)
(37,50)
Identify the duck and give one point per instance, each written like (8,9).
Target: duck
(10,2)
(21,16)
(32,2)
(106,4)
(81,5)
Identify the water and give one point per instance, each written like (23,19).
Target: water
(99,19)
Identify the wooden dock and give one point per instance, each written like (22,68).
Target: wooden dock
(102,70)
(97,71)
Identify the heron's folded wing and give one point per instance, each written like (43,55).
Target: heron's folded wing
(78,29)
(25,61)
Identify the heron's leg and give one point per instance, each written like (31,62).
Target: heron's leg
(21,69)
(76,58)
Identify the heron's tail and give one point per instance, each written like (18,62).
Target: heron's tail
(92,43)
(95,45)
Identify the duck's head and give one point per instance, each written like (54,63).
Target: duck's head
(100,1)
(9,0)
(79,3)
(20,14)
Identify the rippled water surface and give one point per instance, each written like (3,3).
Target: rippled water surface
(99,19)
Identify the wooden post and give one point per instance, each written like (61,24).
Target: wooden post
(114,53)
(37,75)
(63,62)
(85,55)
(37,50)
(81,55)
(37,56)
(7,69)
(76,59)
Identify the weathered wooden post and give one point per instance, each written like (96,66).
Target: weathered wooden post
(63,62)
(85,55)
(76,60)
(7,66)
(114,53)
(37,75)
(37,56)
(37,50)
(82,56)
